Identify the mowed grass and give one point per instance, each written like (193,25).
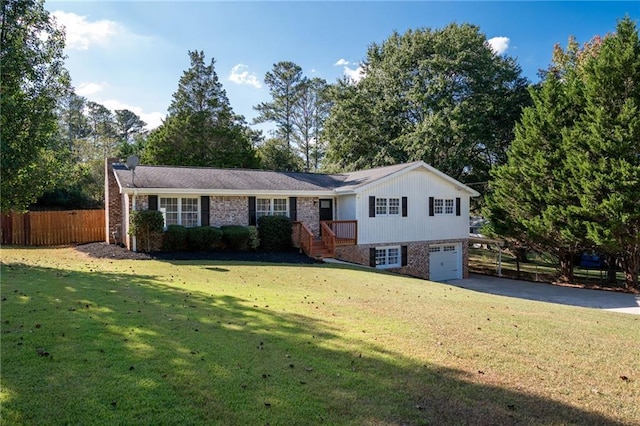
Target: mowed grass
(94,341)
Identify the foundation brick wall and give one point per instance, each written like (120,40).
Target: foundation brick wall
(417,256)
(228,211)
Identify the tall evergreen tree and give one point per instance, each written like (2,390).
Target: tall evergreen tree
(311,109)
(530,202)
(572,179)
(32,79)
(201,128)
(603,149)
(284,84)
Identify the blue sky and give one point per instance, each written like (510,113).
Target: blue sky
(131,54)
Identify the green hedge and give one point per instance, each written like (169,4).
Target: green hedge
(275,232)
(254,239)
(175,238)
(146,225)
(236,237)
(203,238)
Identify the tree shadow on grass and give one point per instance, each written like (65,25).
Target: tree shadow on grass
(109,348)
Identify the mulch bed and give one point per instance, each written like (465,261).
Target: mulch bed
(112,251)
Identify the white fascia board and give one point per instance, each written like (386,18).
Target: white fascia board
(459,185)
(225,192)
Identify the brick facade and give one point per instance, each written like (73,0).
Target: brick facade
(417,256)
(309,213)
(113,205)
(225,210)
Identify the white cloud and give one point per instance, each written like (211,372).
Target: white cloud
(81,33)
(153,119)
(499,45)
(240,75)
(341,62)
(87,88)
(354,74)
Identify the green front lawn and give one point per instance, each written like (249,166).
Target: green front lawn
(88,341)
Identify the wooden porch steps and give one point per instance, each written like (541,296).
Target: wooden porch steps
(319,250)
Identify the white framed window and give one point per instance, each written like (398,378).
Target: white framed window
(449,248)
(387,206)
(381,206)
(443,206)
(434,249)
(271,207)
(448,206)
(180,210)
(169,209)
(394,206)
(388,257)
(189,212)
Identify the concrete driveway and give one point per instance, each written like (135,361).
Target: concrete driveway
(597,299)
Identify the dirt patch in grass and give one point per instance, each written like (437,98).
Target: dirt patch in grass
(112,251)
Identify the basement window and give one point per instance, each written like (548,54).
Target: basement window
(388,257)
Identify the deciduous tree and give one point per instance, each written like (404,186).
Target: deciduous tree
(442,96)
(32,79)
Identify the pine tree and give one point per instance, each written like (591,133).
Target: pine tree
(603,149)
(201,128)
(530,202)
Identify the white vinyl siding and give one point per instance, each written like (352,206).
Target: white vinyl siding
(417,185)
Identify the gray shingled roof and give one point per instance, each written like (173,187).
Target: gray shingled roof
(210,179)
(223,179)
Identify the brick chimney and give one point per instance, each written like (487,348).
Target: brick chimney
(112,204)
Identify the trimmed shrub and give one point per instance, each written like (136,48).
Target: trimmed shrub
(275,232)
(175,238)
(203,238)
(146,226)
(254,239)
(236,237)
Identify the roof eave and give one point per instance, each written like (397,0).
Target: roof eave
(226,192)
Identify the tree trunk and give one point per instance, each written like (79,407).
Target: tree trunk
(521,255)
(631,265)
(612,268)
(566,267)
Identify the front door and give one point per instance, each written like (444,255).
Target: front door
(326,209)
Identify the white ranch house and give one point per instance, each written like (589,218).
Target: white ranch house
(409,218)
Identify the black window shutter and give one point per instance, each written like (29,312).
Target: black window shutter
(404,207)
(372,206)
(153,202)
(252,211)
(430,206)
(372,257)
(458,206)
(204,210)
(293,208)
(403,250)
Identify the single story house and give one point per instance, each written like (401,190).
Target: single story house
(409,218)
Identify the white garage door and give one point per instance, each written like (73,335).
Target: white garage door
(445,262)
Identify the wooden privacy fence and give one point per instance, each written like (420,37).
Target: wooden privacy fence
(50,228)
